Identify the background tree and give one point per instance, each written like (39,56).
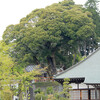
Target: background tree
(92,6)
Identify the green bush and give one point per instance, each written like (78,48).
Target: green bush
(38,90)
(40,96)
(49,90)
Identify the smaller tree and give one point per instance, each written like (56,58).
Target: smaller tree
(49,90)
(64,94)
(40,96)
(13,82)
(6,65)
(66,89)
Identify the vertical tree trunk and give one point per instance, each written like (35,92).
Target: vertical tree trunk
(20,96)
(51,66)
(74,58)
(54,61)
(79,49)
(30,96)
(20,92)
(84,48)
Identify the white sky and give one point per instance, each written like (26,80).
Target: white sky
(11,11)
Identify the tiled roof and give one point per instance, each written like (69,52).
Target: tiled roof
(30,68)
(89,68)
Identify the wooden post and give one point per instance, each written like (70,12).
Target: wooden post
(80,94)
(99,93)
(89,93)
(95,93)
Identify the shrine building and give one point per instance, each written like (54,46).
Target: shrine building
(84,78)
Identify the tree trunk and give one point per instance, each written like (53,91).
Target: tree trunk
(30,96)
(54,61)
(79,49)
(84,48)
(51,65)
(74,58)
(20,96)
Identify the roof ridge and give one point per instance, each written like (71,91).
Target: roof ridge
(73,66)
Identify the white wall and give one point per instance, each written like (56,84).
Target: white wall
(81,86)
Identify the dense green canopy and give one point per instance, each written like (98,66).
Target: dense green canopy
(55,36)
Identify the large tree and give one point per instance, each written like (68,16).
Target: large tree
(52,37)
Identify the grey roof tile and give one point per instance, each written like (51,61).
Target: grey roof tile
(89,68)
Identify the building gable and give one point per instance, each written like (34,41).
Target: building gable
(89,69)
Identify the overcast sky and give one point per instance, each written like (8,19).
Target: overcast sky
(11,11)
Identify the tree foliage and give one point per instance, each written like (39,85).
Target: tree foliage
(52,94)
(92,6)
(12,81)
(6,65)
(54,36)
